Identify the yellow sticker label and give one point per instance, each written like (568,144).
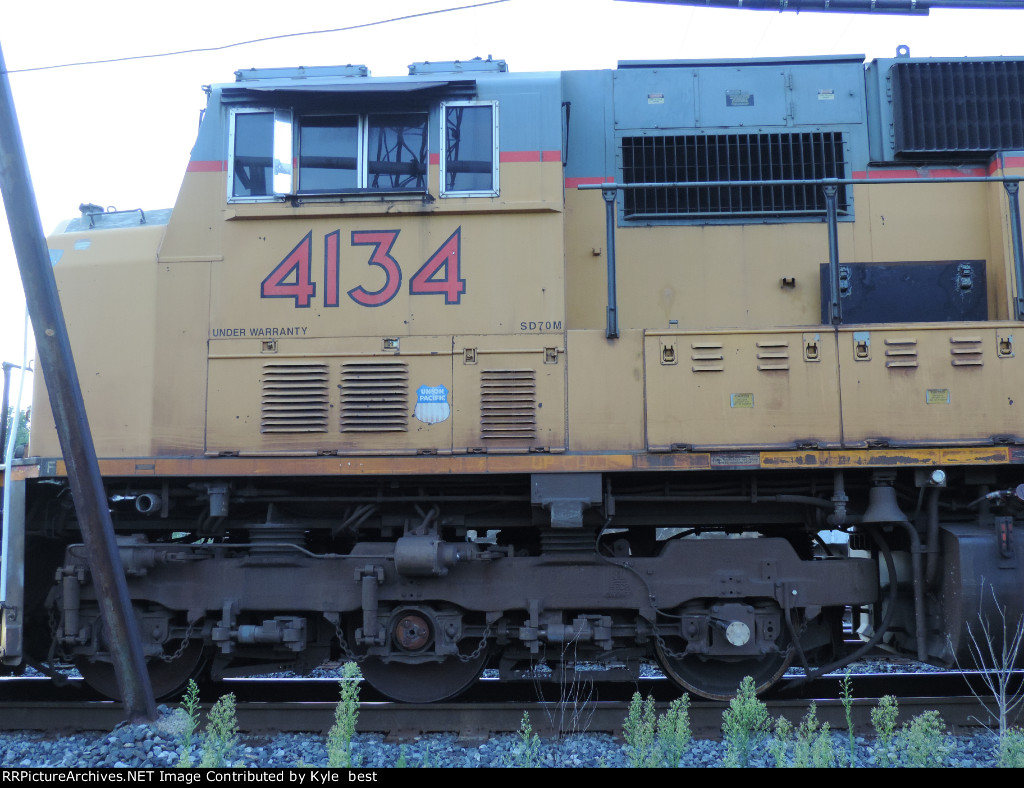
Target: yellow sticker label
(936,396)
(741,400)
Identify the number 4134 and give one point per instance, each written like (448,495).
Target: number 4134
(293,276)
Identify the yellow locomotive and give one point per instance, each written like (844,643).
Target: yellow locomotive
(685,360)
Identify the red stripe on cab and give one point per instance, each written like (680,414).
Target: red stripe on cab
(207,166)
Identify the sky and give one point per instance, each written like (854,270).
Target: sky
(119,134)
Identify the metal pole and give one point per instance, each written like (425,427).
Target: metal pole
(832,207)
(1013,193)
(612,330)
(54,350)
(7,365)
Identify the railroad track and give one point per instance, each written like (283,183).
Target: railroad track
(400,722)
(307,705)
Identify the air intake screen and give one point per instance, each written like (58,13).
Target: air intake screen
(294,398)
(508,403)
(958,107)
(374,396)
(730,157)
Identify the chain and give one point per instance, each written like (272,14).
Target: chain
(184,643)
(480,647)
(346,652)
(664,648)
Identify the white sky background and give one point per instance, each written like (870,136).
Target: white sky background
(120,134)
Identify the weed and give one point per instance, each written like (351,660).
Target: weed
(846,693)
(526,755)
(1011,749)
(401,763)
(883,719)
(744,724)
(673,732)
(221,734)
(823,754)
(339,738)
(995,652)
(780,742)
(922,741)
(190,707)
(639,732)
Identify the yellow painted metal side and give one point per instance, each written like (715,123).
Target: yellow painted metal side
(107,283)
(722,275)
(195,229)
(182,314)
(606,391)
(238,388)
(357,465)
(491,383)
(931,383)
(741,388)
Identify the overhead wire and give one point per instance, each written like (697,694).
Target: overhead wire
(278,37)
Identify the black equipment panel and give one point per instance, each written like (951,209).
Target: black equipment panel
(908,292)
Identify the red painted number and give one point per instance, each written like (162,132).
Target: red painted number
(381,243)
(332,262)
(292,277)
(296,263)
(426,280)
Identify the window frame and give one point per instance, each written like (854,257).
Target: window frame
(282,168)
(361,125)
(494,191)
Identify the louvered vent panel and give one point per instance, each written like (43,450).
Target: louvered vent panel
(772,356)
(294,398)
(966,351)
(958,107)
(374,396)
(707,357)
(508,403)
(713,158)
(901,352)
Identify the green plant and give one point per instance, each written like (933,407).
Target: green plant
(744,724)
(780,742)
(846,693)
(401,763)
(1011,749)
(813,742)
(883,719)
(639,732)
(922,741)
(190,710)
(823,754)
(673,732)
(526,755)
(221,734)
(339,738)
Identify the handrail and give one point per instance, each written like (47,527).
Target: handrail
(1011,183)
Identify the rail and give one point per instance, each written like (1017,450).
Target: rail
(830,186)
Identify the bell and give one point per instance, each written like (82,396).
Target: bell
(882,506)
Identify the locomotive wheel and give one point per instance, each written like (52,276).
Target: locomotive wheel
(719,679)
(422,682)
(167,678)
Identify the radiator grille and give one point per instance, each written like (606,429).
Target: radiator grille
(958,107)
(294,398)
(508,403)
(730,157)
(374,396)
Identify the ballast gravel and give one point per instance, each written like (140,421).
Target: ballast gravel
(159,745)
